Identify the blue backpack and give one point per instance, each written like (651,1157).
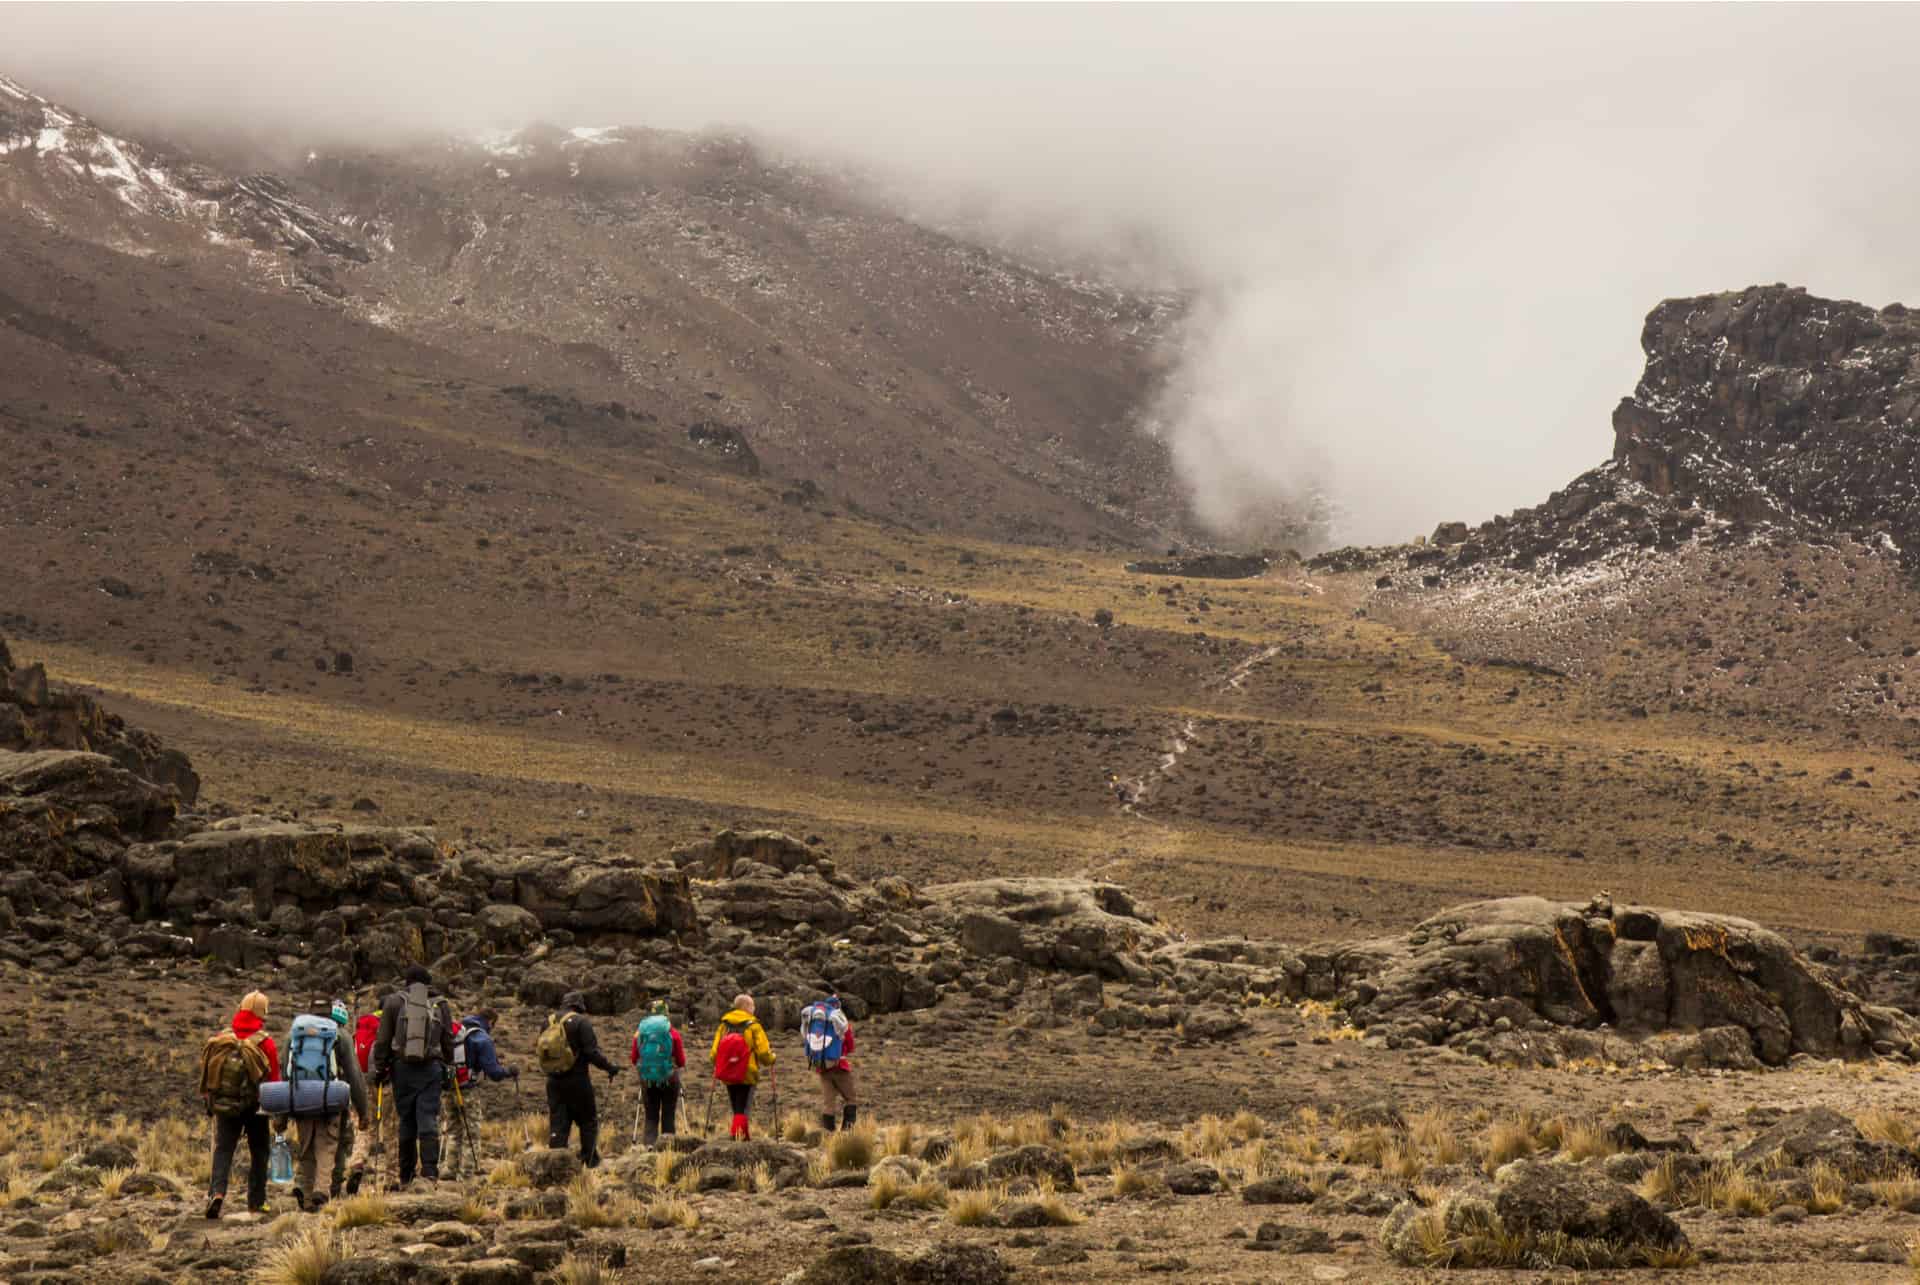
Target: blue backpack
(825,1028)
(656,1050)
(313,1086)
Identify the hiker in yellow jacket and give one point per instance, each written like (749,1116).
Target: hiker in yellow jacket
(740,1049)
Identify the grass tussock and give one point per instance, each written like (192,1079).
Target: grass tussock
(587,1209)
(1899,1192)
(889,1188)
(507,1173)
(474,1211)
(1587,1140)
(1830,1188)
(1129,1182)
(1506,1140)
(974,1208)
(1727,1188)
(670,1211)
(112,1181)
(576,1270)
(300,1260)
(852,1149)
(1878,1124)
(367,1209)
(796,1133)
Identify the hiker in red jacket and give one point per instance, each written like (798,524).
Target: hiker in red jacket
(240,1115)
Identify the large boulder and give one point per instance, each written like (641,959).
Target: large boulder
(71,812)
(1538,1199)
(38,714)
(788,1167)
(265,864)
(1077,925)
(1634,968)
(588,895)
(1823,1134)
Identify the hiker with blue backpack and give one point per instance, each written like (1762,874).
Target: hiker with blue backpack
(320,1081)
(658,1055)
(829,1038)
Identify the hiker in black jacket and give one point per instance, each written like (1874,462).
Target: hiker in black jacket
(412,1052)
(569,1092)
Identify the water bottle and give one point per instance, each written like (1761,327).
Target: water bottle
(280,1161)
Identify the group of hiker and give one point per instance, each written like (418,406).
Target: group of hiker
(415,1054)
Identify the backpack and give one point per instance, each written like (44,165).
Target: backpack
(656,1050)
(313,1086)
(365,1032)
(231,1070)
(462,1073)
(733,1059)
(553,1050)
(413,1025)
(825,1028)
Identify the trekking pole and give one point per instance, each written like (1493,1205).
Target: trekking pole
(639,1100)
(379,1147)
(774,1073)
(706,1115)
(466,1129)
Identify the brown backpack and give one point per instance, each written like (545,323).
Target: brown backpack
(231,1072)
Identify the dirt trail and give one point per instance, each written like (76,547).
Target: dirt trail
(1182,740)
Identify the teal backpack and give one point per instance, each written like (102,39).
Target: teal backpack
(656,1050)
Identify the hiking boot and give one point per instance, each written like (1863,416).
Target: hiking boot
(353,1183)
(848,1116)
(826,1122)
(300,1200)
(213,1206)
(263,1209)
(318,1202)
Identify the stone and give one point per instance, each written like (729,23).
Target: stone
(1540,1198)
(493,1271)
(856,1265)
(1823,1134)
(1283,1189)
(549,1166)
(1033,1161)
(450,1235)
(1194,1179)
(1285,1239)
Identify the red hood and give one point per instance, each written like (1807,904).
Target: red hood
(245,1023)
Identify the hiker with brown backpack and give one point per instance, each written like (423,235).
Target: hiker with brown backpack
(564,1050)
(233,1066)
(411,1053)
(740,1049)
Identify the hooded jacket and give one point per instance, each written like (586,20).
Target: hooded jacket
(247,1025)
(482,1058)
(759,1052)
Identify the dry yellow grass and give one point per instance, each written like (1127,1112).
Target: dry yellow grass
(973,1208)
(1587,1140)
(300,1260)
(1506,1140)
(852,1149)
(1881,1125)
(1729,1189)
(368,1209)
(670,1211)
(1830,1188)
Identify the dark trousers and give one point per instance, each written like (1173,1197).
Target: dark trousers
(740,1098)
(569,1103)
(226,1136)
(659,1101)
(416,1106)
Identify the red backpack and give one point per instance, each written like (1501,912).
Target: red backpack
(365,1032)
(733,1059)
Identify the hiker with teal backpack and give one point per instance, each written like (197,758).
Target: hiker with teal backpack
(658,1055)
(829,1038)
(320,1083)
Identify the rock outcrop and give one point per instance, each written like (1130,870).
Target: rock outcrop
(38,714)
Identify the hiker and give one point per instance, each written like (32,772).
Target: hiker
(829,1037)
(233,1066)
(566,1049)
(411,1052)
(1122,792)
(318,1058)
(740,1049)
(350,1157)
(474,1056)
(658,1055)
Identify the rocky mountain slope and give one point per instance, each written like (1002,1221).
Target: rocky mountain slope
(696,280)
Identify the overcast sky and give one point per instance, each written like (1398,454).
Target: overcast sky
(1425,236)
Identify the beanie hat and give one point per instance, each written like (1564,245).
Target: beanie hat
(255,1002)
(339,1013)
(659,1008)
